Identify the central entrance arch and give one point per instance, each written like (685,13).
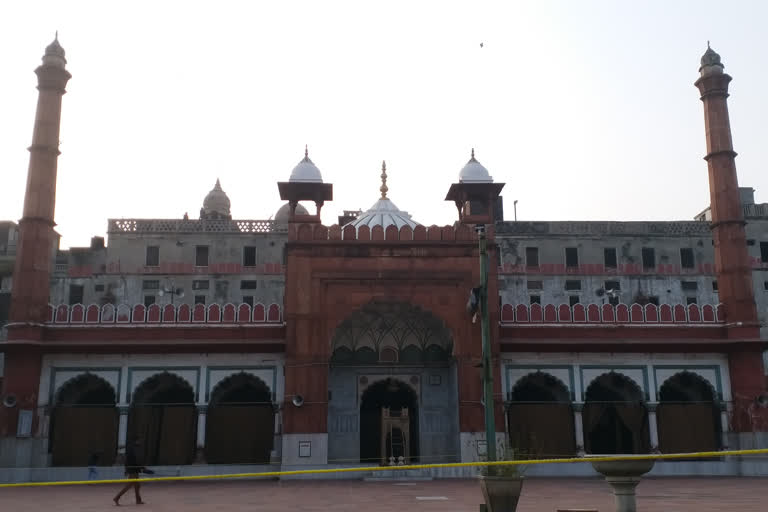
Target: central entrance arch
(388,357)
(393,398)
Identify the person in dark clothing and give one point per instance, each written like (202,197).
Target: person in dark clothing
(132,470)
(93,461)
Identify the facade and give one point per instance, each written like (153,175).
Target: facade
(288,343)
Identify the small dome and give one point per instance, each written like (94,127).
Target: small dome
(306,171)
(474,172)
(54,54)
(216,204)
(284,212)
(710,62)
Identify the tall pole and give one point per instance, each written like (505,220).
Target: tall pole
(490,422)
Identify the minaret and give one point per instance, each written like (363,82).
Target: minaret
(31,276)
(734,275)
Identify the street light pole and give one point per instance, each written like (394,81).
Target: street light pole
(490,422)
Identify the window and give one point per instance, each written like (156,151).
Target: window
(98,288)
(571,257)
(248,285)
(573,285)
(151,285)
(689,286)
(764,252)
(654,299)
(248,299)
(535,299)
(249,256)
(573,300)
(609,255)
(153,255)
(535,285)
(201,256)
(200,285)
(612,285)
(531,256)
(686,257)
(714,286)
(199,299)
(149,300)
(76,294)
(690,300)
(649,258)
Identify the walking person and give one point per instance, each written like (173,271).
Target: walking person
(132,470)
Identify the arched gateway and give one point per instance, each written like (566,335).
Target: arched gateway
(392,388)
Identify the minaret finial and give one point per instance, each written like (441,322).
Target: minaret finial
(306,151)
(383,187)
(473,153)
(56,36)
(708,44)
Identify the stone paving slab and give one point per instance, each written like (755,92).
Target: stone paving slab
(539,495)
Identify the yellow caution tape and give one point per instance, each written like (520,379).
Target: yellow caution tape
(666,456)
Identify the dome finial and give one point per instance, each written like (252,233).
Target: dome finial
(383,187)
(306,151)
(473,153)
(217,186)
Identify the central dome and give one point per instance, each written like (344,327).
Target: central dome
(383,213)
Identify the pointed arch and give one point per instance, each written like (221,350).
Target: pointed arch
(615,416)
(84,422)
(688,414)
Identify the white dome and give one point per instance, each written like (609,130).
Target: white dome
(216,203)
(474,172)
(384,213)
(281,217)
(306,171)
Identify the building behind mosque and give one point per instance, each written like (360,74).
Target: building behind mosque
(287,343)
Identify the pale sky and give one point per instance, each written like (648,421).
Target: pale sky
(586,110)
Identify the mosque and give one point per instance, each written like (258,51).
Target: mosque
(285,343)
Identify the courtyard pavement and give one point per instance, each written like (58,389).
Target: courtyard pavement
(539,495)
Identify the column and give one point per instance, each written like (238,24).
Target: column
(578,424)
(202,412)
(122,434)
(724,426)
(653,427)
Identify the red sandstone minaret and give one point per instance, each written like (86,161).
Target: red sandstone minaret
(31,276)
(734,275)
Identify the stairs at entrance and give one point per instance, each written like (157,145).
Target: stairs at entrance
(393,475)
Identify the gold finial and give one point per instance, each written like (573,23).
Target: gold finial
(383,187)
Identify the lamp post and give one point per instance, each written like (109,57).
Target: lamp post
(172,291)
(490,422)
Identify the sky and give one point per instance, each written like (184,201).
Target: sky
(586,110)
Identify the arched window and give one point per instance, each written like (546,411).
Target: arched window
(615,417)
(688,415)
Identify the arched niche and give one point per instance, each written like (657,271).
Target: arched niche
(396,396)
(540,417)
(163,418)
(240,421)
(84,423)
(688,415)
(615,416)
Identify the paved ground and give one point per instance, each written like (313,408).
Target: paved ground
(539,495)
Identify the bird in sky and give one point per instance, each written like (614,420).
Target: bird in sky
(481,45)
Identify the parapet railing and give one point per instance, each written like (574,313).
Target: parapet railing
(612,314)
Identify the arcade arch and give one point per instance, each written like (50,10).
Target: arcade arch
(84,423)
(163,418)
(540,417)
(688,415)
(615,417)
(240,421)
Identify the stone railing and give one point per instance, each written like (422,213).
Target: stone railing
(110,314)
(310,232)
(137,226)
(610,314)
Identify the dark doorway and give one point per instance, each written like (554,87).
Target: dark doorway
(540,418)
(688,415)
(84,423)
(163,417)
(395,395)
(615,418)
(241,422)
